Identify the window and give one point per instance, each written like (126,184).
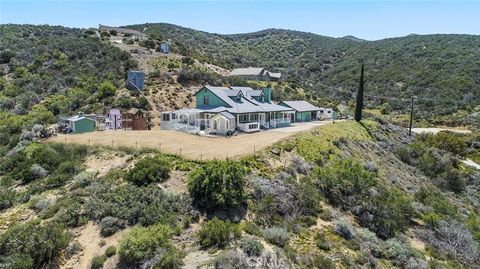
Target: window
(174,116)
(166,117)
(214,124)
(253,126)
(243,118)
(254,117)
(205,100)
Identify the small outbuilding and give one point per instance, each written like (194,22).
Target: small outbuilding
(165,47)
(304,111)
(135,80)
(114,119)
(222,123)
(80,124)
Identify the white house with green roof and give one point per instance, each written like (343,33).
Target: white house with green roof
(223,110)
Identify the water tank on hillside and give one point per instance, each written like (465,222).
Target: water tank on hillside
(135,80)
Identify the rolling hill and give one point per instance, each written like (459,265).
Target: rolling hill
(441,70)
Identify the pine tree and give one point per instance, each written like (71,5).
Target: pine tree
(359,106)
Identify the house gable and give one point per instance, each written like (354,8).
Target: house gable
(206,98)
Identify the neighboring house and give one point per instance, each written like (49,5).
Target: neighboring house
(274,76)
(255,73)
(326,113)
(135,80)
(165,47)
(114,119)
(80,124)
(135,119)
(304,111)
(221,110)
(122,31)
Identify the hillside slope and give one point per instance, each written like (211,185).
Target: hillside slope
(367,193)
(441,70)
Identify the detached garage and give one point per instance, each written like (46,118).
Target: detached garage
(304,111)
(80,124)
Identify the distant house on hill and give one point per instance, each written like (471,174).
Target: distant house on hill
(123,31)
(165,47)
(255,73)
(135,80)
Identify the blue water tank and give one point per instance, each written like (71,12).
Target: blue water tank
(135,80)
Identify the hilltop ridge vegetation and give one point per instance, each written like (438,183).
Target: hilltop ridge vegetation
(440,70)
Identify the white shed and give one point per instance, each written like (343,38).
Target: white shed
(222,123)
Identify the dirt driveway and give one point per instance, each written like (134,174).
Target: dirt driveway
(189,145)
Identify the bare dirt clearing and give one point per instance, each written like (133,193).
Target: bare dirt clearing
(89,238)
(189,145)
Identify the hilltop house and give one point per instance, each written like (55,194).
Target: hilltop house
(165,47)
(135,80)
(128,33)
(223,110)
(255,73)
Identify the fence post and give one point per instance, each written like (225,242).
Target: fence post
(201,156)
(112,143)
(253,150)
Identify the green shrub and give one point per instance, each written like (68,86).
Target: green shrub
(345,182)
(98,261)
(141,243)
(218,185)
(251,246)
(149,170)
(386,214)
(251,228)
(7,197)
(110,225)
(110,251)
(443,209)
(448,141)
(276,235)
(218,233)
(172,259)
(41,244)
(320,261)
(132,204)
(344,229)
(17,261)
(321,242)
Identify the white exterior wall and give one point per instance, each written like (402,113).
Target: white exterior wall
(221,125)
(249,127)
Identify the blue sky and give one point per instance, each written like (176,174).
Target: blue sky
(365,19)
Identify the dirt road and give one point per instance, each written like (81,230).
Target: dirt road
(436,130)
(189,145)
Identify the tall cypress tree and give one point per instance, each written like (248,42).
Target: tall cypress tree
(359,106)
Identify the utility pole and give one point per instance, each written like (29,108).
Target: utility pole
(411,118)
